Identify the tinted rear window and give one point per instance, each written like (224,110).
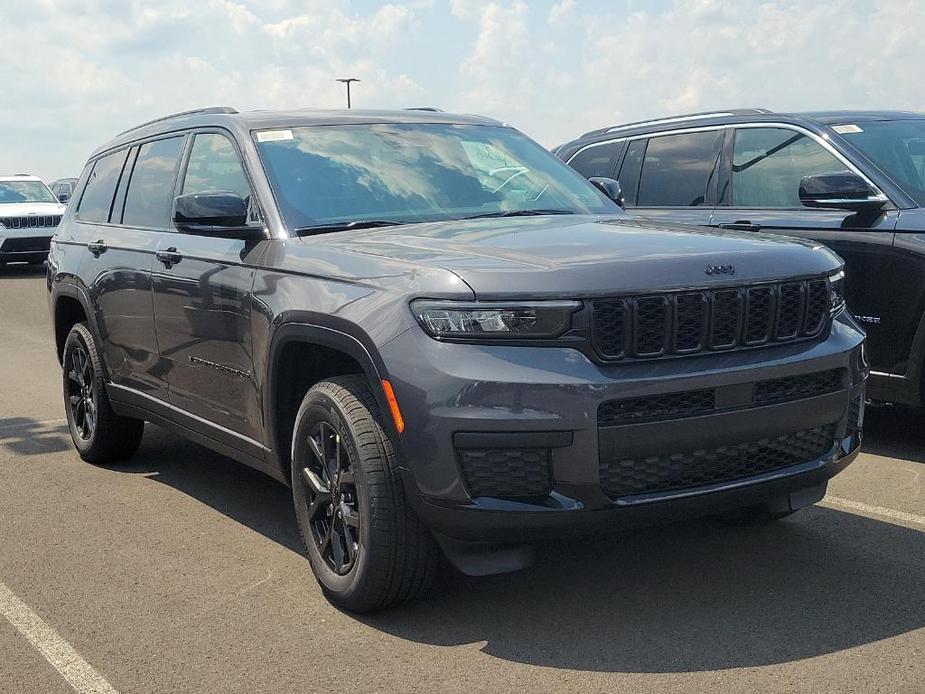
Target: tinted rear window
(150,191)
(677,169)
(101,184)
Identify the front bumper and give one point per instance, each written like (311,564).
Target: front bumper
(25,245)
(456,397)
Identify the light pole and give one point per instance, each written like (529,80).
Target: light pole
(347,81)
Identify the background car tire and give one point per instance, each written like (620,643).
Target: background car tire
(111,438)
(395,555)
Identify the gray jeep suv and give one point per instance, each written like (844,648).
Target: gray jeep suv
(443,338)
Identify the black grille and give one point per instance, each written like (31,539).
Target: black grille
(37,244)
(32,221)
(506,472)
(719,319)
(691,469)
(691,403)
(655,407)
(797,387)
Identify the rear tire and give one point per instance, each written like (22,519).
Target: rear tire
(366,547)
(99,434)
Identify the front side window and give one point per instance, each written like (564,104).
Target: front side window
(214,165)
(150,190)
(768,163)
(25,191)
(405,173)
(96,201)
(677,169)
(897,147)
(596,160)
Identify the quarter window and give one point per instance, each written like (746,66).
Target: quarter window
(596,160)
(150,192)
(768,163)
(678,169)
(214,165)
(629,171)
(101,184)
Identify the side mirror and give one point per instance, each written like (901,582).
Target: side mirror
(214,212)
(609,187)
(63,198)
(839,190)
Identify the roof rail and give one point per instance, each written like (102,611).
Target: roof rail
(191,112)
(678,119)
(425,108)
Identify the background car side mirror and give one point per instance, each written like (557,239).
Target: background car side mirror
(609,187)
(839,190)
(63,198)
(214,212)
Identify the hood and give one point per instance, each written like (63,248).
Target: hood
(586,255)
(24,209)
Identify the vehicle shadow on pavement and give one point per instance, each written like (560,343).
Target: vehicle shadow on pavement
(686,598)
(21,271)
(895,432)
(25,436)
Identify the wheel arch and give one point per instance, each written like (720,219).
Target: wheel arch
(70,306)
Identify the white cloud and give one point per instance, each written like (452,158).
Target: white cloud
(561,11)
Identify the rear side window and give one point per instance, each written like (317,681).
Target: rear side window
(677,169)
(101,184)
(214,165)
(150,191)
(596,160)
(768,163)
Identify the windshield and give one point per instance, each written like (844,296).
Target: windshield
(25,191)
(897,147)
(326,175)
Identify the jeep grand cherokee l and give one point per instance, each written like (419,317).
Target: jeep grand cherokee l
(442,338)
(29,213)
(853,180)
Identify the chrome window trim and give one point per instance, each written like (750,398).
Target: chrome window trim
(822,141)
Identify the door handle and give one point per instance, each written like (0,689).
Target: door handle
(97,247)
(741,225)
(169,257)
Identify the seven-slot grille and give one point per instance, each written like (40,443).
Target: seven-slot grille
(32,221)
(690,322)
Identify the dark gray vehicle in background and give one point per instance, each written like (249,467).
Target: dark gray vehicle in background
(442,338)
(853,180)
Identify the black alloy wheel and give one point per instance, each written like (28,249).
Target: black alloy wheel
(81,398)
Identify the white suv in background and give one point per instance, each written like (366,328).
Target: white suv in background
(29,215)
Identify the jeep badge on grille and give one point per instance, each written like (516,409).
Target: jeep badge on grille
(720,270)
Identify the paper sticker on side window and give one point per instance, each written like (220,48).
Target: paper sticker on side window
(845,129)
(274,135)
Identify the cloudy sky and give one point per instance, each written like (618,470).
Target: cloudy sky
(75,72)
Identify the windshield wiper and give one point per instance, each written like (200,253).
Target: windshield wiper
(345,226)
(519,213)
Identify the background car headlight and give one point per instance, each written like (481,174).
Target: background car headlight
(500,321)
(837,291)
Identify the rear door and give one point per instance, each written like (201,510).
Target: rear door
(672,177)
(116,267)
(762,168)
(202,302)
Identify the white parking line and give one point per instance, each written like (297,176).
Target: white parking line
(893,514)
(62,656)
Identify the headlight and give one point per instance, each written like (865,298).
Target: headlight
(498,321)
(837,291)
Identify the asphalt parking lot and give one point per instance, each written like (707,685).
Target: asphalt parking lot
(183,572)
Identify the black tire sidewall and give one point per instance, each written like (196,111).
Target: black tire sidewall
(318,407)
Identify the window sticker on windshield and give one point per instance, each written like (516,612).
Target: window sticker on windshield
(845,129)
(274,135)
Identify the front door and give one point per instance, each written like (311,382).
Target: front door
(202,303)
(761,179)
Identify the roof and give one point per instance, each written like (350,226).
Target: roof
(745,115)
(20,177)
(224,116)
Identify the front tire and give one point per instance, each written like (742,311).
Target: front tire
(99,434)
(366,547)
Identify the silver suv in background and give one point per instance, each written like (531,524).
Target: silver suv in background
(29,215)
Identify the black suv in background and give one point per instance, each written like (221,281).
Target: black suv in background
(854,181)
(441,336)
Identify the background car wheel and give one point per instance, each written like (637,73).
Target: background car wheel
(99,434)
(366,547)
